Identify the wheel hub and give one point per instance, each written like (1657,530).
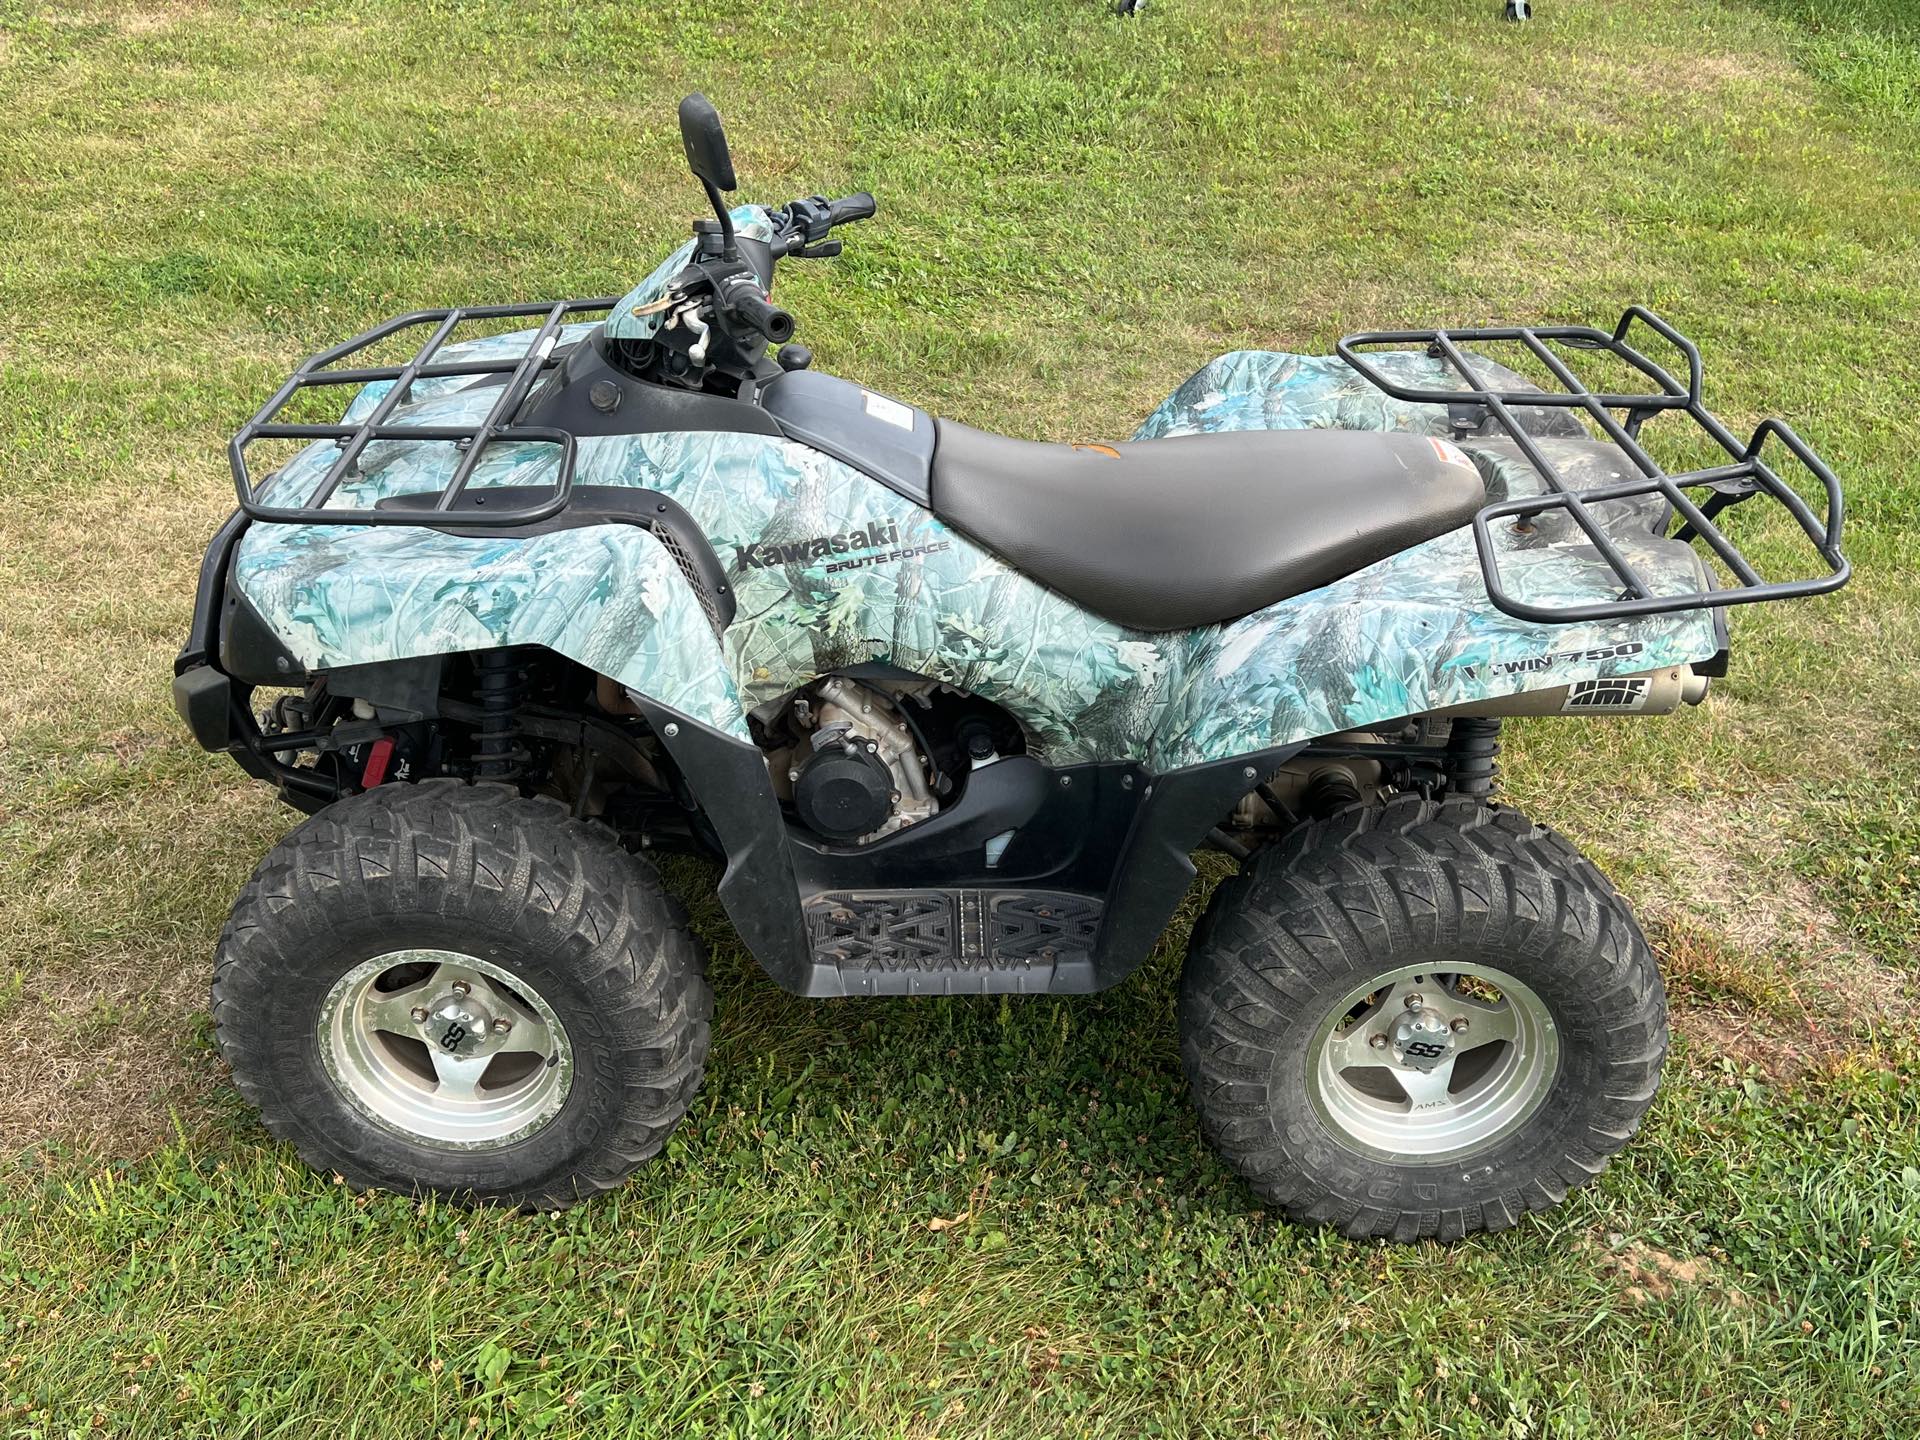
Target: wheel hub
(1421,1038)
(459,1025)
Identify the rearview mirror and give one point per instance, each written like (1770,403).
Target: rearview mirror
(705,140)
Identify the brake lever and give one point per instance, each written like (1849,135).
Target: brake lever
(825,250)
(810,217)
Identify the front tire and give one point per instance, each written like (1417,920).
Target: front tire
(1420,1020)
(449,988)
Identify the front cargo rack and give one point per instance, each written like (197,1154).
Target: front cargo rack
(520,370)
(1745,474)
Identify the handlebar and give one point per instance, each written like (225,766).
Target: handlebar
(806,221)
(738,279)
(754,309)
(851,207)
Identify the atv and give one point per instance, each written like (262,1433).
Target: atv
(572,581)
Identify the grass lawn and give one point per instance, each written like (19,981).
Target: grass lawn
(1076,212)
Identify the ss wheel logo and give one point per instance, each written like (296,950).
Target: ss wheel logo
(455,1033)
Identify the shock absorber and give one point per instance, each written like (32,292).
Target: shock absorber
(497,751)
(1473,750)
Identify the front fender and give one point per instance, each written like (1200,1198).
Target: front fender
(607,596)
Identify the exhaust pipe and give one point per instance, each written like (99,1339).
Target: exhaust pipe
(1656,692)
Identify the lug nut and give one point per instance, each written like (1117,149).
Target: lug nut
(1459,1024)
(461,987)
(1414,1002)
(419,1015)
(502,1025)
(1378,1042)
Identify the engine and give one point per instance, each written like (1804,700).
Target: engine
(860,759)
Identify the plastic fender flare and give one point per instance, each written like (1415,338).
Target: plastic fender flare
(610,597)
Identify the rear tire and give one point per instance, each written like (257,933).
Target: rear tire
(1333,990)
(450,988)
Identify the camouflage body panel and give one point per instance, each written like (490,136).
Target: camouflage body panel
(832,568)
(608,596)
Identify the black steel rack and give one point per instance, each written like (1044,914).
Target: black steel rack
(1745,474)
(520,370)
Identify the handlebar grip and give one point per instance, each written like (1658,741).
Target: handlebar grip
(852,207)
(762,314)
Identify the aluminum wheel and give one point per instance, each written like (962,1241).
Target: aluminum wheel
(1419,1062)
(445,1049)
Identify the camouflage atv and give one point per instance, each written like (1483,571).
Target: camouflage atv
(571,581)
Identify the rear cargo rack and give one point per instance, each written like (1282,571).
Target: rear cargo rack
(1746,474)
(521,369)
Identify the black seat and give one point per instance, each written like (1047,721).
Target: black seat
(1179,533)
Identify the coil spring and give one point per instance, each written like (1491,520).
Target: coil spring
(1473,751)
(497,751)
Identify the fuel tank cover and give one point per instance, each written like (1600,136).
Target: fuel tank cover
(873,433)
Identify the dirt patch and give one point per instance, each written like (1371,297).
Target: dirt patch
(146,22)
(1783,1053)
(1647,1274)
(1676,72)
(125,844)
(1608,93)
(156,19)
(1760,969)
(1735,915)
(131,22)
(127,745)
(112,907)
(104,1066)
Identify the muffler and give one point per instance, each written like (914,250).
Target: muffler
(1656,692)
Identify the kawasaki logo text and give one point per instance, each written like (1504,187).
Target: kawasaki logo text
(773,553)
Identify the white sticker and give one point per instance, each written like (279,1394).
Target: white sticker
(891,411)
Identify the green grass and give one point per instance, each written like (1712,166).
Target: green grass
(1868,51)
(1076,212)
